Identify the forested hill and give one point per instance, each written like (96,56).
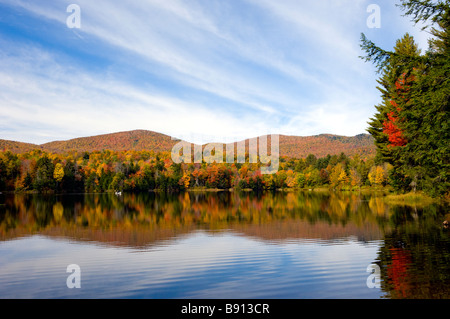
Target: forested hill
(290,146)
(17,147)
(324,144)
(138,140)
(122,141)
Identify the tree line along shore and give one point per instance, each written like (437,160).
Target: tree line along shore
(135,171)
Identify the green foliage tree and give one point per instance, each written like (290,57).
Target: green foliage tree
(388,137)
(44,175)
(419,89)
(117,182)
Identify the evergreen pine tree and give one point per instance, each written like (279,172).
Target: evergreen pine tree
(419,88)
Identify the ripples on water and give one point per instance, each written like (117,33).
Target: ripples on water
(272,246)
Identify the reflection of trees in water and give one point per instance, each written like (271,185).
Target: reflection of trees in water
(271,215)
(26,214)
(415,256)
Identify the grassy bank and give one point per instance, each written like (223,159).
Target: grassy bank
(417,198)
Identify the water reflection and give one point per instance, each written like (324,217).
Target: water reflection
(415,254)
(412,246)
(138,220)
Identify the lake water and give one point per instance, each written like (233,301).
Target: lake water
(222,245)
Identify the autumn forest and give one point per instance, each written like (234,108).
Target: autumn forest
(145,170)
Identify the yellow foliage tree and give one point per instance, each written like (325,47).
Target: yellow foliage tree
(58,173)
(377,176)
(186,179)
(343,178)
(338,177)
(355,178)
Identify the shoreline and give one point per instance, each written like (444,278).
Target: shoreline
(387,193)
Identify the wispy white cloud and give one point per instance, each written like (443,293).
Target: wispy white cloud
(181,46)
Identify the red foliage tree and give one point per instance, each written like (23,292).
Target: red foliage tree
(395,134)
(391,125)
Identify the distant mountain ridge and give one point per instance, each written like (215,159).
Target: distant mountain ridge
(324,144)
(122,141)
(290,146)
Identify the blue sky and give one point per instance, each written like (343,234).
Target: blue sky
(201,70)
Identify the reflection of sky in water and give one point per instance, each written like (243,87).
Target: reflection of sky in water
(199,265)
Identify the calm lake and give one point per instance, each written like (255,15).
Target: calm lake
(222,245)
